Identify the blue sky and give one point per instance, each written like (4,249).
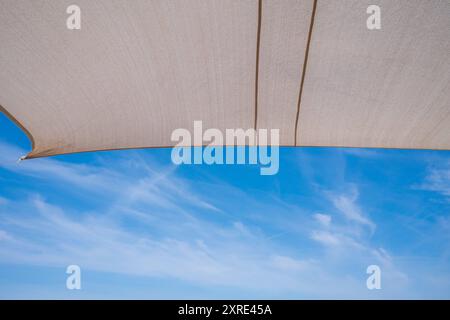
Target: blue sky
(141,227)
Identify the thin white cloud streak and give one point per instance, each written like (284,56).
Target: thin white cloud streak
(438,180)
(326,238)
(347,206)
(323,219)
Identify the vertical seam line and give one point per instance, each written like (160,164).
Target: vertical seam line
(258,41)
(305,63)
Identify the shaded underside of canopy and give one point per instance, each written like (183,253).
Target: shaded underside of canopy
(137,70)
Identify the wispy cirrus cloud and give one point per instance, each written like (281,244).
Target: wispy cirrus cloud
(323,219)
(79,175)
(438,179)
(345,233)
(347,206)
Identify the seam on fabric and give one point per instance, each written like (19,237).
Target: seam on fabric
(258,42)
(305,63)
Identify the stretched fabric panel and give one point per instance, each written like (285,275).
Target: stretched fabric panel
(284,33)
(137,70)
(387,88)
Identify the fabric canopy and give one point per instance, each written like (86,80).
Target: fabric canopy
(137,70)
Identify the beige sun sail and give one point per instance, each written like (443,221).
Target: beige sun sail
(137,70)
